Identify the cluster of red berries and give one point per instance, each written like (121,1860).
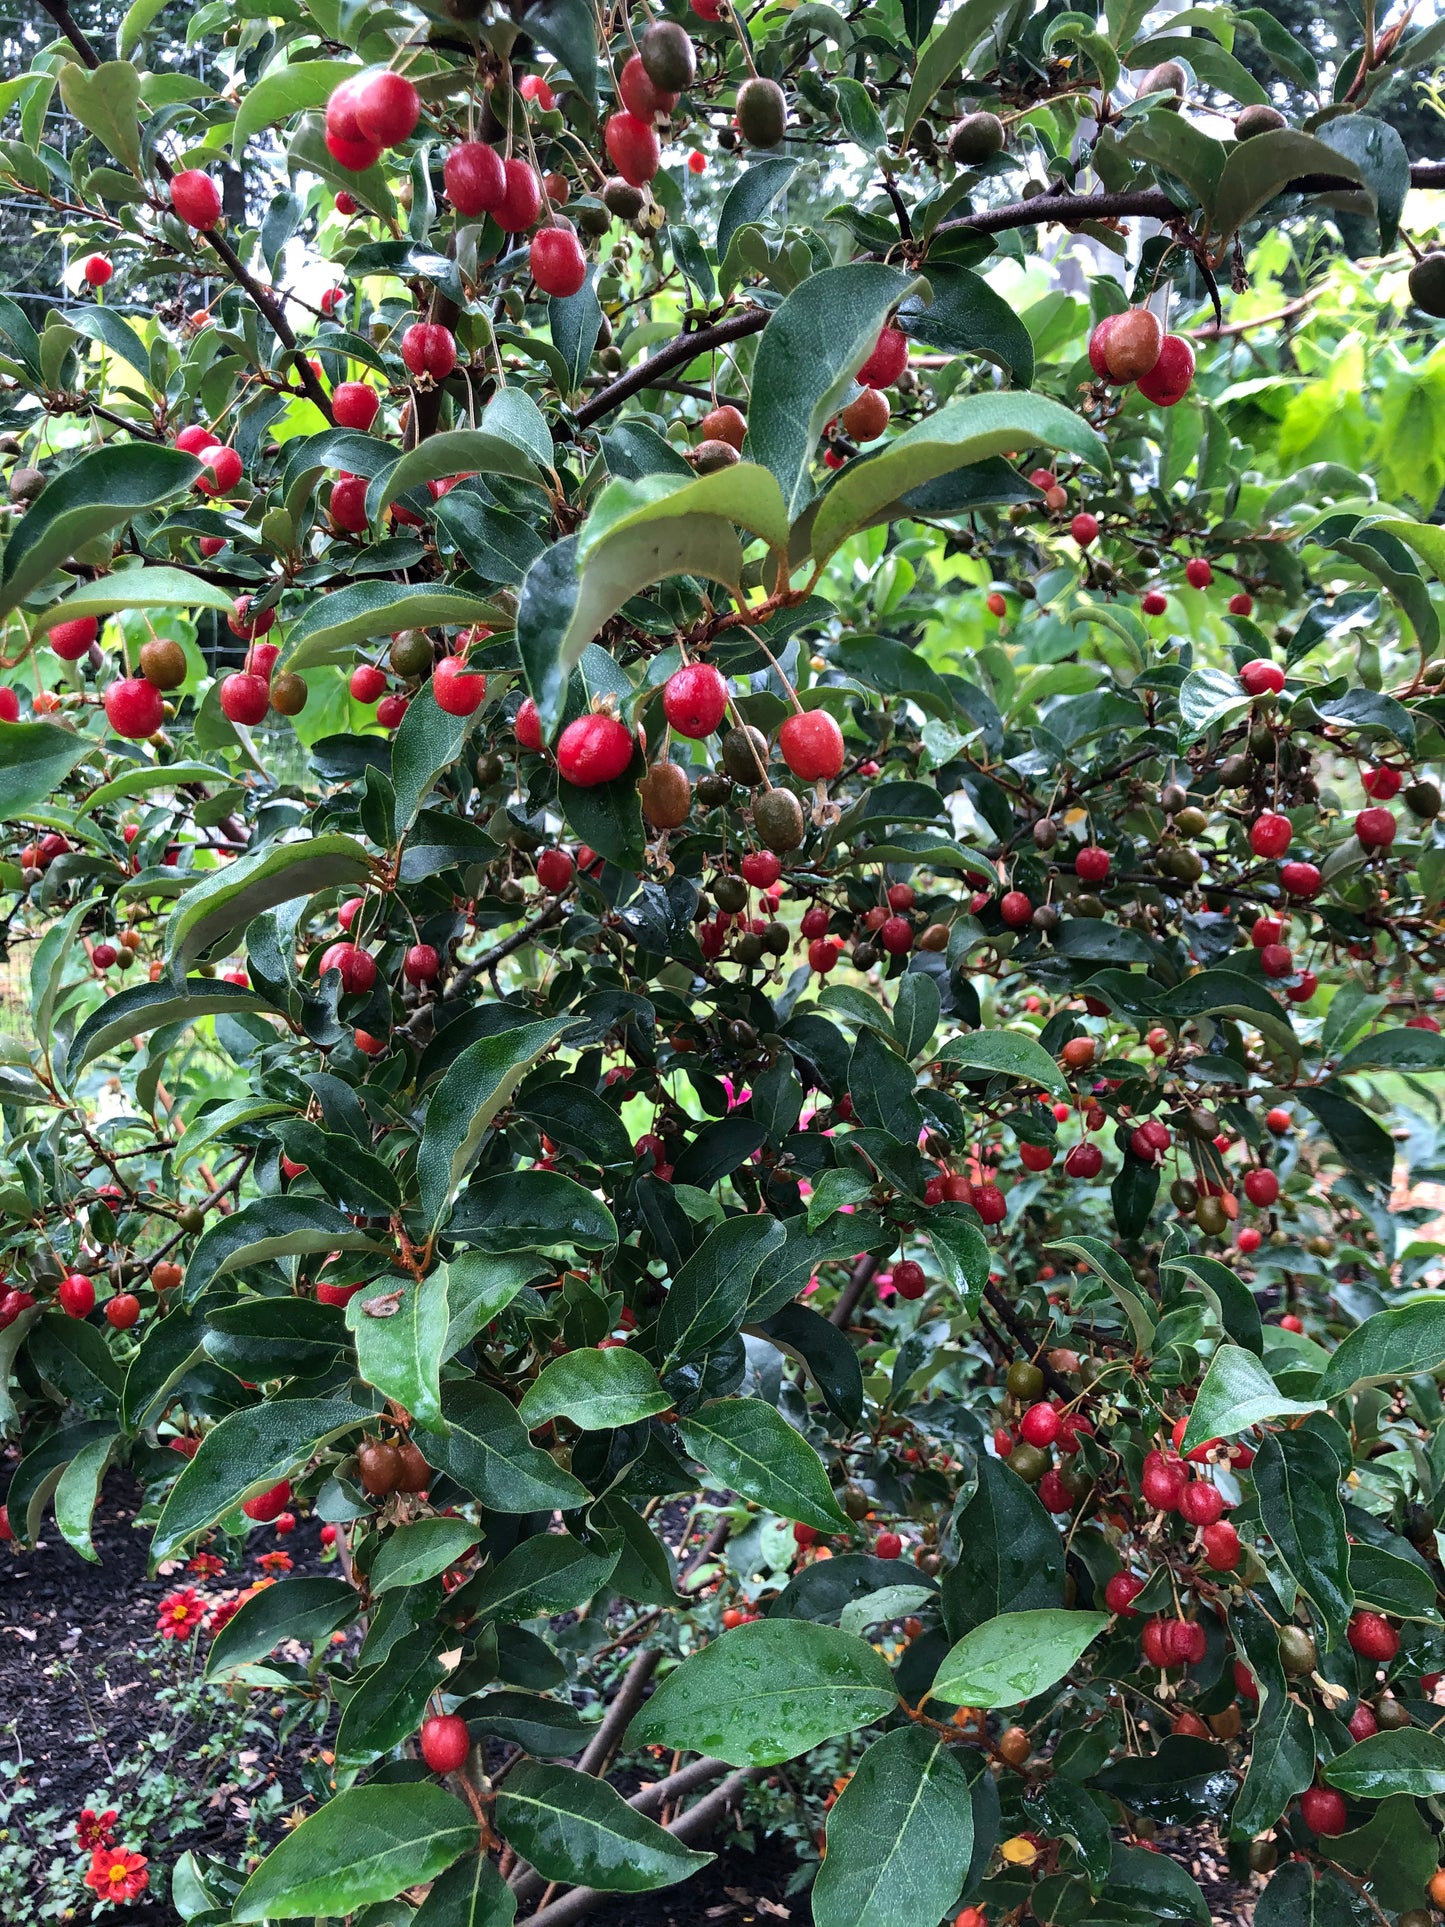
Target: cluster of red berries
(1133,347)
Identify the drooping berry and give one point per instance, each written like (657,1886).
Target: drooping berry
(1172,375)
(812,746)
(1376,828)
(421,964)
(387,108)
(134,708)
(527,726)
(521,200)
(1262,677)
(559,267)
(474,179)
(354,405)
(196,199)
(1372,1636)
(72,640)
(357,966)
(1270,834)
(445,1742)
(695,699)
(368,683)
(887,361)
(456,690)
(245,699)
(555,870)
(429,349)
(594,749)
(633,148)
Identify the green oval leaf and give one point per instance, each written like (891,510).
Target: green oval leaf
(367,1844)
(572,1827)
(1009,1659)
(595,1390)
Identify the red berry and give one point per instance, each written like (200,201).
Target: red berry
(908,1279)
(223,469)
(696,163)
(521,200)
(822,956)
(133,708)
(805,1536)
(1261,1187)
(1323,1810)
(1421,1021)
(1162,1482)
(694,700)
(533,87)
(1269,834)
(815,921)
(1375,828)
(1372,1636)
(242,623)
(1301,992)
(1171,377)
(445,1742)
(594,749)
(559,267)
(357,966)
(1053,1493)
(1275,960)
(1036,1157)
(812,746)
(1382,783)
(104,955)
(1247,1239)
(1241,604)
(1363,1723)
(72,640)
(1154,603)
(896,936)
(1262,677)
(196,199)
(122,1311)
(455,690)
(1300,879)
(760,868)
(990,1204)
(76,1294)
(421,964)
(1155,1642)
(474,179)
(354,405)
(1278,1120)
(286,1524)
(555,870)
(1222,1549)
(1290,1323)
(1091,865)
(1201,1503)
(348,504)
(639,96)
(97,270)
(429,349)
(1085,529)
(1039,1425)
(193,439)
(887,361)
(368,683)
(1121,1592)
(1015,909)
(387,108)
(1085,1160)
(268,1505)
(345,204)
(1185,1641)
(245,699)
(632,147)
(1266,930)
(1197,572)
(901,896)
(888,1545)
(527,728)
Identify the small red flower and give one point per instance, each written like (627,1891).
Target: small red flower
(180,1613)
(94,1830)
(117,1875)
(275,1562)
(228,1608)
(206,1565)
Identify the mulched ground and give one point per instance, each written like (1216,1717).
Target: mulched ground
(62,1620)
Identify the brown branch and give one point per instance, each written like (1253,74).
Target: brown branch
(597,1756)
(677,354)
(863,1274)
(1022,1336)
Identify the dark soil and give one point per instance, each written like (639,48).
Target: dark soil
(73,1691)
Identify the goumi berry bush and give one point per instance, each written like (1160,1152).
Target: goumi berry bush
(706,842)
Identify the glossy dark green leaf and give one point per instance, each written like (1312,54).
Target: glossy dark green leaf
(401,1328)
(882,1086)
(1186,1779)
(419,1551)
(1409,1761)
(961,1249)
(1392,1344)
(899,1837)
(572,1827)
(531,1211)
(750,1448)
(215,910)
(707,1300)
(1009,1659)
(1010,1555)
(248,1452)
(368,1844)
(390,1701)
(99,492)
(830,1358)
(485,1448)
(1296,1479)
(1237,1393)
(472,1091)
(550,1729)
(550,1573)
(750,197)
(766,1692)
(270,1228)
(146,1007)
(1364,1144)
(470,1894)
(594,1390)
(966,317)
(1395,1850)
(1301,1895)
(35,759)
(266,1338)
(304,1609)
